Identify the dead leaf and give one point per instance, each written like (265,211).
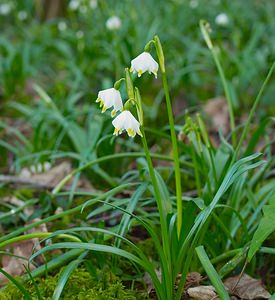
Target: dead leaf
(193,279)
(203,292)
(217,109)
(246,287)
(14,265)
(45,177)
(148,281)
(52,176)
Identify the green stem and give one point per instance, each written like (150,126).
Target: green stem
(252,112)
(164,229)
(204,29)
(37,235)
(227,96)
(175,152)
(161,60)
(225,255)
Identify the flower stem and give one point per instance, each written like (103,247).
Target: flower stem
(161,59)
(252,112)
(205,32)
(164,229)
(175,153)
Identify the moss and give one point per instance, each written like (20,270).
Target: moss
(79,287)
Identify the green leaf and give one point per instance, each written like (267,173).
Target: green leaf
(212,273)
(234,262)
(24,292)
(266,227)
(164,193)
(64,276)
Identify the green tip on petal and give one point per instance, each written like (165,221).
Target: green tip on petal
(103,109)
(113,113)
(131,132)
(116,132)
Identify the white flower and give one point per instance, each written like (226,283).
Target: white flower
(126,121)
(144,62)
(79,34)
(74,4)
(93,4)
(108,98)
(222,19)
(22,15)
(5,9)
(62,26)
(194,3)
(113,23)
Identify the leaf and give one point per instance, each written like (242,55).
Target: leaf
(266,227)
(63,278)
(233,263)
(212,273)
(130,208)
(246,287)
(164,193)
(26,294)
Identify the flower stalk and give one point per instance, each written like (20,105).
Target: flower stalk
(205,29)
(173,133)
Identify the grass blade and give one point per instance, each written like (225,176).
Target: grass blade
(212,273)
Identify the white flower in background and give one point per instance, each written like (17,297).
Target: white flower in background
(126,121)
(194,3)
(22,15)
(74,4)
(222,19)
(93,4)
(62,26)
(144,62)
(113,23)
(108,98)
(41,168)
(5,9)
(79,34)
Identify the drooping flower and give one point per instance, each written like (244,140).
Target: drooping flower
(22,15)
(108,98)
(93,4)
(126,121)
(144,62)
(222,19)
(74,4)
(62,26)
(5,9)
(193,3)
(113,23)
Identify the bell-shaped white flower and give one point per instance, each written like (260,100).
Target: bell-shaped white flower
(113,23)
(108,98)
(126,121)
(222,19)
(144,62)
